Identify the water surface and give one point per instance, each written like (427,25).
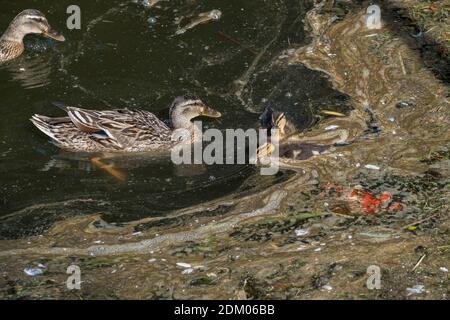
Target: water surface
(120,59)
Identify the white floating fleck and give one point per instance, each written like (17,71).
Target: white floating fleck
(187,271)
(326,287)
(443,269)
(332,127)
(318,249)
(151,260)
(183,265)
(151,20)
(301,232)
(32,272)
(372,167)
(417,289)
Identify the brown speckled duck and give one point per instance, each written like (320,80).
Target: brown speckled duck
(121,130)
(27,22)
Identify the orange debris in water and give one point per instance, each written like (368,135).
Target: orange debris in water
(369,203)
(109,169)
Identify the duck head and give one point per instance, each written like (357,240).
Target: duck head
(186,108)
(271,119)
(31,22)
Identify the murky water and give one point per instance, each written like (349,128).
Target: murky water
(120,58)
(380,195)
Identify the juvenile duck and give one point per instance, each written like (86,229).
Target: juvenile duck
(271,119)
(27,22)
(121,130)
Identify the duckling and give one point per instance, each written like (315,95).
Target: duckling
(27,22)
(271,119)
(121,130)
(293,150)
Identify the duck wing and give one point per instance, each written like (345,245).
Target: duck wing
(125,128)
(86,120)
(134,127)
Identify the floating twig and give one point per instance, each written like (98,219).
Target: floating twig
(418,262)
(332,113)
(231,39)
(401,63)
(420,221)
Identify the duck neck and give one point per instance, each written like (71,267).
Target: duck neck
(13,34)
(182,123)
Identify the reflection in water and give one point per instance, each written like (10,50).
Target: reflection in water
(31,73)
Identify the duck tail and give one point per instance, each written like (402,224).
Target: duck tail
(47,125)
(60,105)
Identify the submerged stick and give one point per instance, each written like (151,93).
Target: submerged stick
(243,46)
(109,169)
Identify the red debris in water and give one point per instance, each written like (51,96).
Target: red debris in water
(331,187)
(369,203)
(395,207)
(339,189)
(328,185)
(384,197)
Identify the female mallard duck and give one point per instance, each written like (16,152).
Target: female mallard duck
(26,22)
(121,130)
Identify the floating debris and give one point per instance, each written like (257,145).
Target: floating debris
(332,127)
(184,265)
(405,104)
(301,232)
(371,203)
(372,167)
(148,4)
(326,287)
(151,20)
(443,269)
(332,113)
(33,272)
(417,289)
(204,17)
(187,271)
(152,260)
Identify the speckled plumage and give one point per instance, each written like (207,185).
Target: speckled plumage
(10,50)
(120,130)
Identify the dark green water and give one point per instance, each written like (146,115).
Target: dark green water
(118,59)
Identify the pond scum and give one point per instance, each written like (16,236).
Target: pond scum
(380,198)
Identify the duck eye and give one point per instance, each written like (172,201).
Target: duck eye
(37,19)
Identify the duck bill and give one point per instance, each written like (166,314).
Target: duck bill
(209,112)
(53,34)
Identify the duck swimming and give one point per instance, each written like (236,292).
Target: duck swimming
(271,119)
(27,22)
(121,130)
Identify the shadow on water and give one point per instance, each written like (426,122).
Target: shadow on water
(120,59)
